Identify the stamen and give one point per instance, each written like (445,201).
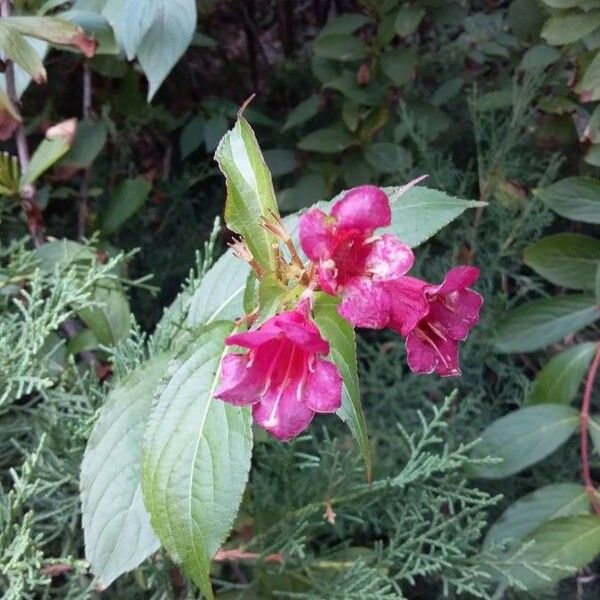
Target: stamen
(272,420)
(271,368)
(427,339)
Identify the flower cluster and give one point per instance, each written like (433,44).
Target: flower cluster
(284,374)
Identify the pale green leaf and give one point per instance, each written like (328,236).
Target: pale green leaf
(559,380)
(523,438)
(250,193)
(543,322)
(589,86)
(15,47)
(196,457)
(594,432)
(45,156)
(567,28)
(116,525)
(576,198)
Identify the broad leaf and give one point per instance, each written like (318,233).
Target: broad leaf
(569,543)
(130,20)
(166,40)
(421,212)
(339,47)
(302,113)
(399,65)
(576,198)
(116,525)
(523,438)
(20,51)
(126,200)
(250,193)
(329,140)
(559,380)
(344,24)
(530,511)
(196,457)
(408,19)
(567,28)
(386,157)
(566,259)
(543,322)
(589,86)
(539,57)
(88,143)
(341,337)
(280,161)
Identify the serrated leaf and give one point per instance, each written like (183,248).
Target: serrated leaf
(116,525)
(559,380)
(567,28)
(542,322)
(576,198)
(341,337)
(530,511)
(250,193)
(196,457)
(421,212)
(569,543)
(523,438)
(566,259)
(302,113)
(126,200)
(166,40)
(20,51)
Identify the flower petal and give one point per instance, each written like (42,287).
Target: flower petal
(457,278)
(389,258)
(315,234)
(365,303)
(308,337)
(280,413)
(239,384)
(429,353)
(408,303)
(455,313)
(323,391)
(366,208)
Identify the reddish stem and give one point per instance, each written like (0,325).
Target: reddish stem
(584,419)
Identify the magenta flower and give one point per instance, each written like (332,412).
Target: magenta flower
(432,344)
(351,261)
(282,375)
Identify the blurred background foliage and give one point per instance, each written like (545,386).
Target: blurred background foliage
(493,99)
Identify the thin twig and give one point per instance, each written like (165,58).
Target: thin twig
(584,419)
(86,111)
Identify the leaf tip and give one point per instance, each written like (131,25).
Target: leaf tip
(245,105)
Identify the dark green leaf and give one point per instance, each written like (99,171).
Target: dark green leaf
(250,193)
(529,512)
(576,198)
(567,28)
(523,438)
(344,24)
(559,380)
(399,65)
(116,525)
(214,129)
(280,161)
(192,136)
(390,158)
(566,259)
(340,335)
(88,143)
(196,457)
(543,322)
(408,19)
(589,86)
(126,200)
(339,47)
(539,57)
(330,140)
(302,113)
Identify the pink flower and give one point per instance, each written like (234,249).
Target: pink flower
(351,261)
(282,375)
(432,343)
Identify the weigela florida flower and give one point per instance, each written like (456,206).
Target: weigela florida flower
(283,375)
(354,263)
(453,308)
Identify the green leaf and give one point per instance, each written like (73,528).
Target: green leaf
(88,143)
(166,40)
(594,431)
(566,259)
(55,31)
(399,65)
(192,136)
(116,525)
(523,438)
(221,292)
(408,19)
(559,380)
(250,193)
(196,457)
(570,543)
(20,51)
(530,511)
(308,188)
(576,198)
(84,340)
(526,18)
(280,161)
(539,57)
(567,28)
(589,86)
(388,158)
(341,337)
(271,292)
(339,47)
(543,322)
(303,112)
(344,24)
(125,201)
(50,150)
(111,320)
(329,140)
(96,26)
(421,212)
(562,3)
(214,129)
(61,253)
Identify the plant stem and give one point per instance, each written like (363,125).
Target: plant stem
(82,206)
(584,422)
